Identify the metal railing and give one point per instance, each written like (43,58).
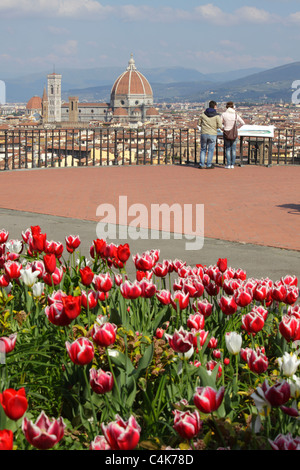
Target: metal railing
(46,148)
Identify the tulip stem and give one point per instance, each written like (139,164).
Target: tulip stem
(90,398)
(113,374)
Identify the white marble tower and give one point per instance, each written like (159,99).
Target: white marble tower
(54,97)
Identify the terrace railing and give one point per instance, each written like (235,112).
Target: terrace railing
(46,148)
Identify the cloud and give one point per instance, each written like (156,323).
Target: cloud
(93,9)
(213,14)
(294,17)
(69,48)
(255,15)
(55,8)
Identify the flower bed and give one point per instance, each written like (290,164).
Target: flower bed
(181,357)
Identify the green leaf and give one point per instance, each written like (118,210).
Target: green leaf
(144,362)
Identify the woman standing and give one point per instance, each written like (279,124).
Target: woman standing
(229,119)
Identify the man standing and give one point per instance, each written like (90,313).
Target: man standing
(210,121)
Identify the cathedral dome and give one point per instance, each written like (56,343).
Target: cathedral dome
(131,84)
(34,103)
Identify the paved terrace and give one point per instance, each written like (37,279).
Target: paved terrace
(251,213)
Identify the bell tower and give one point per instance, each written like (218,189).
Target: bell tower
(54,97)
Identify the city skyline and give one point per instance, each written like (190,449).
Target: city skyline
(208,36)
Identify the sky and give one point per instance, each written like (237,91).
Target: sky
(216,36)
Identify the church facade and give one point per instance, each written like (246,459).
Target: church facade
(131,102)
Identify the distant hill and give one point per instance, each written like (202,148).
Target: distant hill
(274,84)
(169,84)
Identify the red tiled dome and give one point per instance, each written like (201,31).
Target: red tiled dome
(34,103)
(131,82)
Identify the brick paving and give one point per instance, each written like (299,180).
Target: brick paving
(250,204)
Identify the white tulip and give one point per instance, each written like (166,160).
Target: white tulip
(233,342)
(14,246)
(288,364)
(28,276)
(38,289)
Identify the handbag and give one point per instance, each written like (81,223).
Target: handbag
(232,134)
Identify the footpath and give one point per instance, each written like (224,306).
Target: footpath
(251,213)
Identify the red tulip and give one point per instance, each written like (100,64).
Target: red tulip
(130,290)
(202,334)
(4,280)
(278,292)
(144,262)
(72,306)
(285,442)
(122,435)
(222,264)
(86,275)
(180,299)
(56,314)
(81,351)
(14,403)
(101,381)
(99,443)
(72,242)
(227,305)
(44,433)
(292,294)
(7,343)
(38,242)
(99,246)
(148,289)
(260,292)
(278,394)
(161,269)
(253,322)
(164,296)
(54,278)
(50,263)
(123,252)
(207,399)
(196,321)
(204,307)
(289,327)
(257,361)
(89,298)
(13,269)
(6,439)
(181,341)
(243,296)
(58,249)
(103,282)
(105,334)
(187,423)
(3,236)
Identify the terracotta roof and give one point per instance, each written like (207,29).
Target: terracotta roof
(152,112)
(120,112)
(34,103)
(131,82)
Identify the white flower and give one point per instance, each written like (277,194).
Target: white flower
(233,342)
(38,289)
(14,246)
(294,383)
(261,403)
(28,276)
(288,364)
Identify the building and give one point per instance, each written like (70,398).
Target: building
(131,102)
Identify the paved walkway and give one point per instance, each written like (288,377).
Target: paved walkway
(251,205)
